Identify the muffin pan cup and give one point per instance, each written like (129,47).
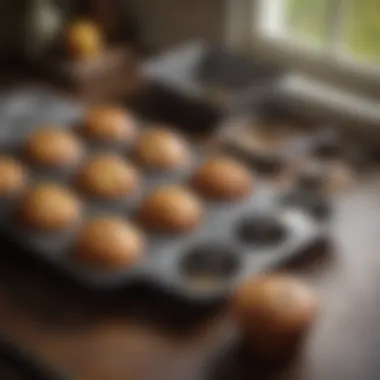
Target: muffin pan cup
(165,264)
(239,259)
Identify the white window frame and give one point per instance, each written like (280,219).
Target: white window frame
(245,31)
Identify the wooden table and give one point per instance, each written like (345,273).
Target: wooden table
(142,334)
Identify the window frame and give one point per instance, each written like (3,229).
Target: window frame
(245,32)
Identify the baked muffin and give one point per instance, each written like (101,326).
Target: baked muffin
(84,40)
(171,209)
(109,125)
(159,148)
(108,176)
(223,178)
(49,207)
(109,243)
(13,176)
(274,312)
(53,147)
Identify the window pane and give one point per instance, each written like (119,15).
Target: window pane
(362,32)
(307,19)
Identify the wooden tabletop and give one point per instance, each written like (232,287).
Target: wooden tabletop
(144,335)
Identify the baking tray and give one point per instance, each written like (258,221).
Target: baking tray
(209,75)
(195,67)
(273,113)
(235,239)
(160,103)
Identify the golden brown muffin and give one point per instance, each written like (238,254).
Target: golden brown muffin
(274,312)
(53,147)
(108,177)
(161,149)
(223,178)
(109,243)
(84,40)
(13,176)
(171,209)
(109,124)
(49,207)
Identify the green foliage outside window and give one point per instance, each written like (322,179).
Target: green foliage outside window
(361,26)
(307,18)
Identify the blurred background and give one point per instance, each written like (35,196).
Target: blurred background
(335,40)
(289,89)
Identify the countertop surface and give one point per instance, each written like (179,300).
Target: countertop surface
(142,334)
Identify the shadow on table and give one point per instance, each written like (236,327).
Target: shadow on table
(52,299)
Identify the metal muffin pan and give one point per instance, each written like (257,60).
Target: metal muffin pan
(175,262)
(203,81)
(273,108)
(196,68)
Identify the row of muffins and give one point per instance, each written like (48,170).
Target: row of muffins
(171,208)
(110,241)
(59,148)
(108,175)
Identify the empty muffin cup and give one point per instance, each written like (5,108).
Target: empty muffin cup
(261,230)
(210,265)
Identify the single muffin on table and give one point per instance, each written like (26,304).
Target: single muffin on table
(274,312)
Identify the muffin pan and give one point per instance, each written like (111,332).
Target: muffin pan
(234,239)
(269,130)
(209,73)
(194,85)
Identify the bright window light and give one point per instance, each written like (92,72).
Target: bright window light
(347,29)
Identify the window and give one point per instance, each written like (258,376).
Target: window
(345,28)
(337,40)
